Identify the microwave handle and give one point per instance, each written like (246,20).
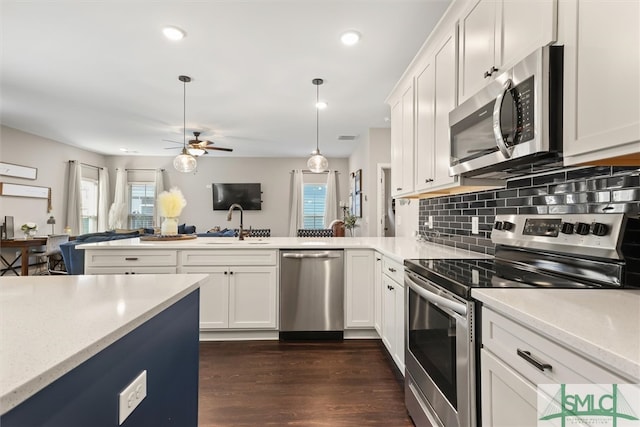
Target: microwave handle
(497,124)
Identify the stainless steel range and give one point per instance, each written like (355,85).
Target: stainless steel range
(550,251)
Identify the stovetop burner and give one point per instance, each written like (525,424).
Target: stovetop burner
(569,251)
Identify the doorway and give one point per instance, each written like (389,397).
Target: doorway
(386,203)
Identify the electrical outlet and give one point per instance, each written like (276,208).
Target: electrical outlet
(132,395)
(474,225)
(430,222)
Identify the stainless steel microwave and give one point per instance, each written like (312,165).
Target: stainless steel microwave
(514,125)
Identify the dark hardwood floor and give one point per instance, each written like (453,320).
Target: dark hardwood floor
(271,383)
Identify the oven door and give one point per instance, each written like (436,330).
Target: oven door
(439,353)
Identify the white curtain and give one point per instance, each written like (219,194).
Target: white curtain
(103,199)
(331,200)
(295,202)
(159,189)
(74,197)
(118,212)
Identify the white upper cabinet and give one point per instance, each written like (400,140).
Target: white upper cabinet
(494,35)
(402,139)
(435,98)
(601,81)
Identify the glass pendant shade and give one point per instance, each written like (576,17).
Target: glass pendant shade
(185,162)
(317,163)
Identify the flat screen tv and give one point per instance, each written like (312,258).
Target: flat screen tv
(249,196)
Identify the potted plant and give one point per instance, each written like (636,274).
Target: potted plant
(29,229)
(350,220)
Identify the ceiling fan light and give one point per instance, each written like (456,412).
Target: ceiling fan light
(185,162)
(195,151)
(317,163)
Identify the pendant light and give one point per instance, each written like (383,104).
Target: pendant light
(184,162)
(317,162)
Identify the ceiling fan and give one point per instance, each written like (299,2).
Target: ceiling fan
(198,147)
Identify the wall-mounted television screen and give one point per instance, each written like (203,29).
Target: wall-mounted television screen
(249,196)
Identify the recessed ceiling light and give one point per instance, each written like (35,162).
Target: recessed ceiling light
(173,33)
(321,105)
(350,37)
(124,149)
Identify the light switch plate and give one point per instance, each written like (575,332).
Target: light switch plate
(474,225)
(131,396)
(430,222)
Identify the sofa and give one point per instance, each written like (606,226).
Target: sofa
(74,257)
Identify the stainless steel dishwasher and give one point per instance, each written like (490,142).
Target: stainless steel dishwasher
(311,294)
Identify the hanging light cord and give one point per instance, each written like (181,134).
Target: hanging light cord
(184,114)
(317,119)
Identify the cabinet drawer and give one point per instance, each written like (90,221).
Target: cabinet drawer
(393,269)
(107,258)
(131,270)
(228,257)
(506,339)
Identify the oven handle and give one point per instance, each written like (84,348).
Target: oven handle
(436,299)
(497,121)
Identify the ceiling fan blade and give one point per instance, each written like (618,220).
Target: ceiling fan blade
(208,147)
(175,142)
(172,148)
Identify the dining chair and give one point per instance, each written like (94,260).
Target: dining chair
(52,256)
(315,232)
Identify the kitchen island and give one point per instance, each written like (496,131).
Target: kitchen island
(71,344)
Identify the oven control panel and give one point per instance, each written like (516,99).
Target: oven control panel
(589,234)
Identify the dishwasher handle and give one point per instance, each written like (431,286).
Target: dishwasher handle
(315,255)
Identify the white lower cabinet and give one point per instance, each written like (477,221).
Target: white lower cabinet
(377,293)
(130,261)
(238,295)
(359,288)
(393,311)
(515,359)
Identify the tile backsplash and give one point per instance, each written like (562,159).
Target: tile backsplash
(585,190)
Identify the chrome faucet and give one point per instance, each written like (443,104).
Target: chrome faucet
(231,208)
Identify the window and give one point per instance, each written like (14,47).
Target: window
(89,205)
(313,205)
(141,204)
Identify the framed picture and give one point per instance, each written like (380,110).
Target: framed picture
(357,181)
(356,205)
(9,169)
(19,190)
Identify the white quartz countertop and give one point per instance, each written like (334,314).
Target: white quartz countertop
(600,324)
(51,324)
(399,248)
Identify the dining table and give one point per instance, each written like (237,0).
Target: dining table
(25,246)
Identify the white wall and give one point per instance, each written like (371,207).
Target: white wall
(407,217)
(375,148)
(273,173)
(51,159)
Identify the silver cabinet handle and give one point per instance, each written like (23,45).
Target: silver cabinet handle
(526,355)
(131,259)
(497,122)
(311,255)
(393,270)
